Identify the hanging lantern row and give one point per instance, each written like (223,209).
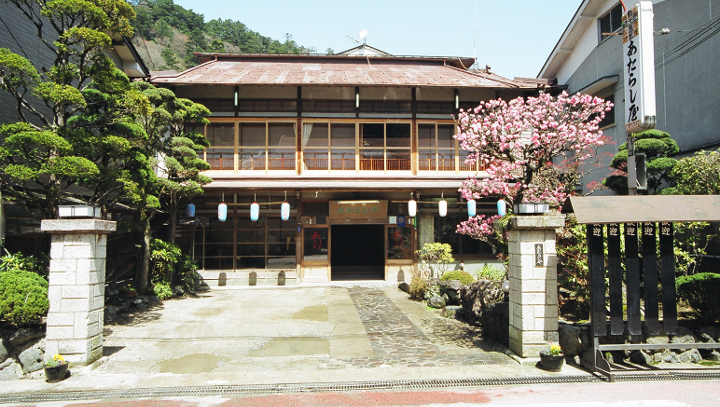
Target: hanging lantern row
(412,206)
(254,209)
(442,206)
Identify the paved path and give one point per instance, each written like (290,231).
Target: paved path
(308,334)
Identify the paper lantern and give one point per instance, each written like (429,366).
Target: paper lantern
(442,207)
(190,210)
(501,207)
(222,212)
(285,211)
(412,206)
(472,207)
(254,211)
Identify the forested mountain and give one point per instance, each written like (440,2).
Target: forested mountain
(166,35)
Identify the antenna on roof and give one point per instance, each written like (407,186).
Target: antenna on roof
(363,34)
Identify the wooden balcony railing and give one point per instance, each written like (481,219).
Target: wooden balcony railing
(320,161)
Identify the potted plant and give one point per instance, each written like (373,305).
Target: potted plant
(56,369)
(552,358)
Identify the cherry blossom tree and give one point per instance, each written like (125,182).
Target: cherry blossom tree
(532,150)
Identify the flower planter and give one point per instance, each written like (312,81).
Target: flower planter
(551,363)
(56,373)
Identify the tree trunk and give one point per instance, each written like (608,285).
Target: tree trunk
(172,222)
(145,257)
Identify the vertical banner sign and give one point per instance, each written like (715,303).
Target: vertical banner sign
(639,69)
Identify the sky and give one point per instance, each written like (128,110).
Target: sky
(513,37)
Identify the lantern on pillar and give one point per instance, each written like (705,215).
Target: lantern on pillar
(442,206)
(285,209)
(412,206)
(190,210)
(254,210)
(471,207)
(222,210)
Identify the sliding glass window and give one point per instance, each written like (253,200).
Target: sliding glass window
(329,146)
(258,146)
(385,146)
(221,153)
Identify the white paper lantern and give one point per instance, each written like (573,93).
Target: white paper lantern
(471,207)
(442,207)
(222,212)
(412,208)
(254,211)
(285,211)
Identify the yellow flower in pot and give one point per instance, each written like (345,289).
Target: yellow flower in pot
(56,368)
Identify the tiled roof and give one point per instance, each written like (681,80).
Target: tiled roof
(336,70)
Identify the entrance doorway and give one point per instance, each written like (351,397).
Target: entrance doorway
(357,252)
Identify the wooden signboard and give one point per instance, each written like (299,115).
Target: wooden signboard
(358,210)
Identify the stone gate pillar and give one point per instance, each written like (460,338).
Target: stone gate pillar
(77,288)
(532,273)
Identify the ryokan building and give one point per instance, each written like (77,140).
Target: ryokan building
(347,140)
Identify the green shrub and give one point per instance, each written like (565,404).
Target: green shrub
(169,265)
(700,291)
(491,273)
(464,277)
(18,261)
(418,287)
(23,297)
(162,290)
(435,259)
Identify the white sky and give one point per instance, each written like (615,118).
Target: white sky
(514,37)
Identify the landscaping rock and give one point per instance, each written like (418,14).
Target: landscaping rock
(476,297)
(451,288)
(669,356)
(404,287)
(452,311)
(437,301)
(495,322)
(10,370)
(641,358)
(24,335)
(691,356)
(32,359)
(573,340)
(4,353)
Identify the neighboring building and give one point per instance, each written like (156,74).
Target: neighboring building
(588,58)
(348,139)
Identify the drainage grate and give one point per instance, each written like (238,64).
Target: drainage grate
(289,388)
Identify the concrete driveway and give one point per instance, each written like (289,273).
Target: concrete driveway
(295,332)
(287,335)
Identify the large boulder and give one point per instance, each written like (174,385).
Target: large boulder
(4,353)
(573,339)
(437,301)
(10,370)
(476,297)
(451,289)
(32,359)
(496,322)
(25,335)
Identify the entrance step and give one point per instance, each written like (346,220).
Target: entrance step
(219,278)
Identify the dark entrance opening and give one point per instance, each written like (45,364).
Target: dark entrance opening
(357,252)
